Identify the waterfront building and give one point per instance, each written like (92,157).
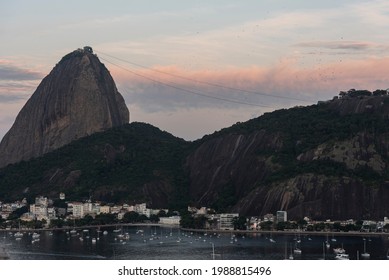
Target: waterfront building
(173,220)
(121,214)
(281,216)
(268,218)
(42,201)
(51,214)
(192,209)
(78,209)
(106,209)
(254,223)
(226,221)
(27,217)
(131,208)
(116,209)
(88,205)
(202,211)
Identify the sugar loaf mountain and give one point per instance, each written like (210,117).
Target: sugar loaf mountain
(329,160)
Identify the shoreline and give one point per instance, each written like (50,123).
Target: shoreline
(273,232)
(83,227)
(291,232)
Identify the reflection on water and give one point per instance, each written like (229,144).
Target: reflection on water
(171,243)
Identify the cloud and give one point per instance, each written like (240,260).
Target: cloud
(338,45)
(343,48)
(16,83)
(372,13)
(11,98)
(10,72)
(282,85)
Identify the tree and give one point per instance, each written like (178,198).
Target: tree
(302,223)
(105,219)
(199,221)
(379,92)
(239,223)
(187,221)
(58,223)
(130,217)
(154,218)
(17,213)
(281,226)
(142,218)
(268,225)
(337,226)
(162,213)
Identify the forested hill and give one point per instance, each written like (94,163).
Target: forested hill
(323,161)
(134,162)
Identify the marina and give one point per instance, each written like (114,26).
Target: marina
(166,243)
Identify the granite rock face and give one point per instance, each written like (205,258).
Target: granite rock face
(77,98)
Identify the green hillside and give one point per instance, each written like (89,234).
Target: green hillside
(110,166)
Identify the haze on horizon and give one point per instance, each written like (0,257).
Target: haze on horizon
(304,51)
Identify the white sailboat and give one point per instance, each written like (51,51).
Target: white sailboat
(291,253)
(73,231)
(327,243)
(297,250)
(18,235)
(339,250)
(342,257)
(365,254)
(324,252)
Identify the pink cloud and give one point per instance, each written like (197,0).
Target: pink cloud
(286,79)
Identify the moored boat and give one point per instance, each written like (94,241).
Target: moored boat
(339,250)
(342,257)
(365,254)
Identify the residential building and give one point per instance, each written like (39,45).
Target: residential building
(173,220)
(106,209)
(141,209)
(202,211)
(87,207)
(281,216)
(268,218)
(78,209)
(226,221)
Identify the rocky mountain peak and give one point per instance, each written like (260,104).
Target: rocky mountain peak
(78,98)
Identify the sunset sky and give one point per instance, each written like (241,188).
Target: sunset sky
(193,67)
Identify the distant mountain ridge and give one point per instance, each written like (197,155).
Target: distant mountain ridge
(77,98)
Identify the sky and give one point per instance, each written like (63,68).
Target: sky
(195,67)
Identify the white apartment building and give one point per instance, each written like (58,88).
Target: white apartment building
(88,206)
(41,201)
(226,221)
(282,216)
(174,220)
(105,209)
(141,209)
(78,209)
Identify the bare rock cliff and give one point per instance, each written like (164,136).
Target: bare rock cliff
(77,98)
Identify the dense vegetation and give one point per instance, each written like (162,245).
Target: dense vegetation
(303,129)
(114,165)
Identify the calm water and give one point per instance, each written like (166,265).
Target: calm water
(171,243)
